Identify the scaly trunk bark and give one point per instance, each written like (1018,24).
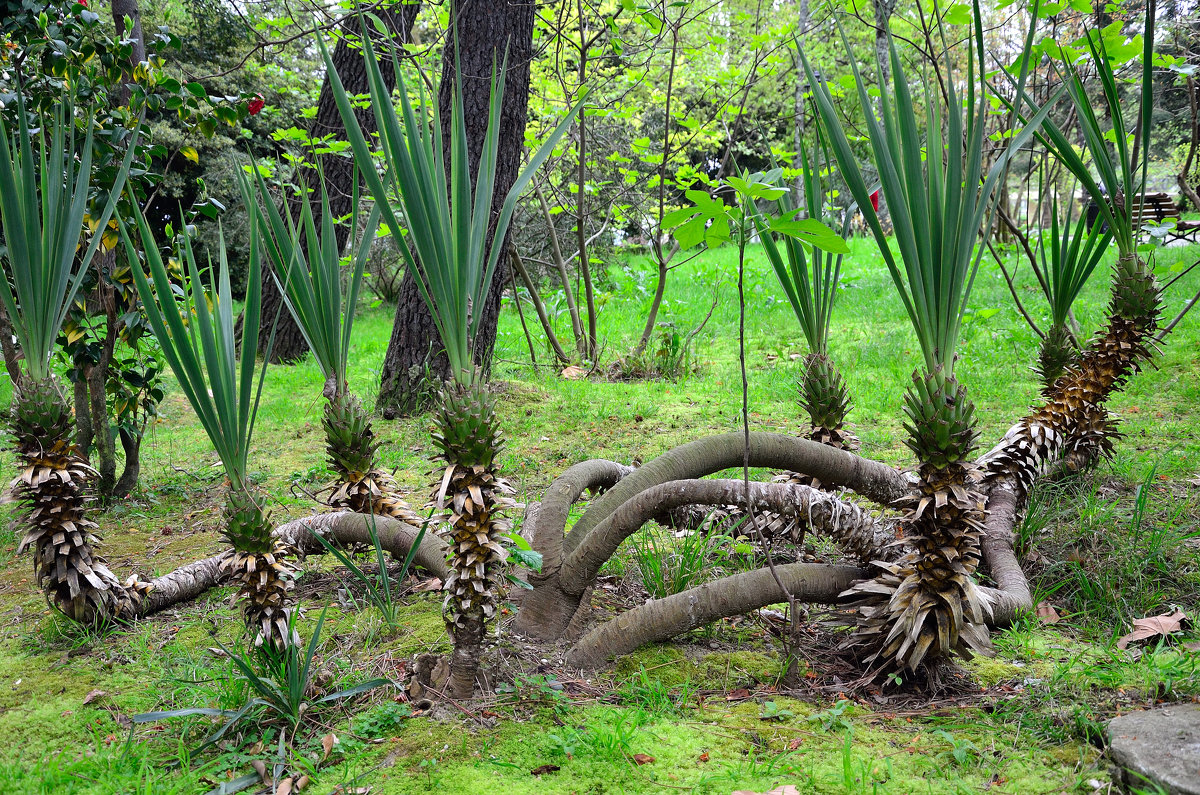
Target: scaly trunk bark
(415,366)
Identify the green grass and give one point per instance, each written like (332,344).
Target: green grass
(1118,544)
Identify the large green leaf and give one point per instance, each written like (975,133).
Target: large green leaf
(44,181)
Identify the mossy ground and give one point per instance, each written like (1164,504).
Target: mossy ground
(1118,544)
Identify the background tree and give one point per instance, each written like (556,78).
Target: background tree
(483,35)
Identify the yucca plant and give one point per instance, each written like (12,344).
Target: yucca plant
(1069,254)
(310,266)
(453,260)
(810,281)
(217,373)
(1073,417)
(940,197)
(45,178)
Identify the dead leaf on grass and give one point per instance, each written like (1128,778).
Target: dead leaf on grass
(573,372)
(1195,481)
(327,743)
(703,757)
(643,759)
(541,770)
(741,694)
(1047,614)
(93,695)
(432,584)
(1154,626)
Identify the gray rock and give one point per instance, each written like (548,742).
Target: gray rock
(1159,746)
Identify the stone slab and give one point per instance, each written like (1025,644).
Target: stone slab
(1160,746)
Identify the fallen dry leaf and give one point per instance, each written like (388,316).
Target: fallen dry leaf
(1195,481)
(643,759)
(786,789)
(284,788)
(1193,646)
(432,584)
(1047,614)
(1153,626)
(302,782)
(794,743)
(572,371)
(541,770)
(93,695)
(703,757)
(327,743)
(741,694)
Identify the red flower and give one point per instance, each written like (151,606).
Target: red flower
(875,201)
(82,3)
(256,105)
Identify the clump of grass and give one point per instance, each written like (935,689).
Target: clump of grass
(1111,557)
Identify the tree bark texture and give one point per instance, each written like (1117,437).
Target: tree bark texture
(876,481)
(662,619)
(545,605)
(341,528)
(338,172)
(415,365)
(855,530)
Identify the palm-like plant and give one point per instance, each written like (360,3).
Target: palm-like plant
(811,284)
(310,265)
(455,258)
(44,184)
(939,197)
(217,373)
(1073,416)
(1069,255)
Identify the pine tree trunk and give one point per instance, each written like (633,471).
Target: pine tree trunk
(415,365)
(289,344)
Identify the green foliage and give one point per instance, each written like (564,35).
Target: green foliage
(215,370)
(378,584)
(447,221)
(281,684)
(937,192)
(44,189)
(1070,254)
(810,288)
(1122,170)
(311,269)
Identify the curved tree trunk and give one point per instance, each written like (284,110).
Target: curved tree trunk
(854,529)
(876,481)
(289,344)
(561,594)
(415,365)
(662,619)
(543,606)
(342,528)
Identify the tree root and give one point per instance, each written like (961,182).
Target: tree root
(342,528)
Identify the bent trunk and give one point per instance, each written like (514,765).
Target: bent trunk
(663,619)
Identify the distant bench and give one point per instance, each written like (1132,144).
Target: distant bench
(1156,208)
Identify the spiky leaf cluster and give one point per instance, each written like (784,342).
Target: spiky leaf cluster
(466,429)
(1055,352)
(940,420)
(350,441)
(824,395)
